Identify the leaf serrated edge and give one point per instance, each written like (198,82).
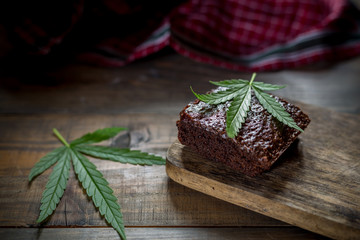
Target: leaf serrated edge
(93,137)
(275,109)
(46,162)
(231,83)
(220,96)
(267,86)
(80,160)
(198,96)
(235,116)
(59,173)
(123,155)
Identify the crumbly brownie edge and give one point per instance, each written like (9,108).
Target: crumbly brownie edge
(223,150)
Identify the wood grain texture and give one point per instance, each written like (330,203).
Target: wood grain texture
(314,185)
(158,233)
(145,96)
(146,195)
(162,85)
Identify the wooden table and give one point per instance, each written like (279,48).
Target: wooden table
(145,97)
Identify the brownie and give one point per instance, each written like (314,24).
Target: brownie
(259,143)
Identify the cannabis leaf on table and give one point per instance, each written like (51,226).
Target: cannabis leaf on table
(91,179)
(238,92)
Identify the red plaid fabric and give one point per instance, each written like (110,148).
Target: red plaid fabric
(247,35)
(266,35)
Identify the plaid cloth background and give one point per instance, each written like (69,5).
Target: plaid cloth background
(246,35)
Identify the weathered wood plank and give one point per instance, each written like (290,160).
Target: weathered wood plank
(162,85)
(255,233)
(147,196)
(314,185)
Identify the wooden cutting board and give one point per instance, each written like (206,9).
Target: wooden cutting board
(314,185)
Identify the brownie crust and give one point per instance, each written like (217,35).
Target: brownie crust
(259,143)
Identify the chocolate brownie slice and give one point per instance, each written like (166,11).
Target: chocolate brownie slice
(259,143)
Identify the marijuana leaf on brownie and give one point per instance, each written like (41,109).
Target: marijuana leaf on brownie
(238,93)
(275,108)
(236,114)
(91,179)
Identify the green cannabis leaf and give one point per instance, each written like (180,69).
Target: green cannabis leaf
(237,111)
(123,155)
(238,93)
(97,136)
(91,179)
(275,108)
(47,161)
(97,188)
(55,187)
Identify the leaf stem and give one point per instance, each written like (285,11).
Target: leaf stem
(252,78)
(56,132)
